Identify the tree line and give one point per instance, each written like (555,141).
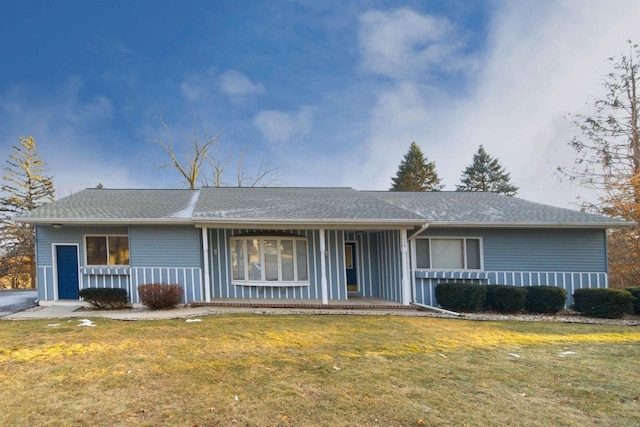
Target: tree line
(607,159)
(417,173)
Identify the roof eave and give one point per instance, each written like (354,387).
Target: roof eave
(203,222)
(105,221)
(495,224)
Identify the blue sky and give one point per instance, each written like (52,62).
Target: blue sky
(332,93)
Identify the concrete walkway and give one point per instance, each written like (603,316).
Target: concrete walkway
(71,311)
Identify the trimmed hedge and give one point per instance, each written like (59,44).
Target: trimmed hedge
(636,294)
(160,296)
(545,299)
(461,296)
(598,302)
(505,299)
(105,298)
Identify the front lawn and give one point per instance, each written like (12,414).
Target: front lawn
(318,371)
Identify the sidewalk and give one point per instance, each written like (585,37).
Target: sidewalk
(70,311)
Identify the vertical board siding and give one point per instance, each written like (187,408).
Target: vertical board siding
(222,285)
(569,281)
(44,275)
(187,277)
(389,265)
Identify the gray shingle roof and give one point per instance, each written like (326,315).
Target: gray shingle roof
(104,205)
(308,206)
(472,208)
(297,205)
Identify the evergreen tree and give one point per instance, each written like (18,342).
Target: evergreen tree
(486,174)
(25,187)
(416,173)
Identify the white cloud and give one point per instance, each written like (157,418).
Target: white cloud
(279,126)
(542,61)
(234,83)
(68,131)
(204,87)
(403,43)
(197,86)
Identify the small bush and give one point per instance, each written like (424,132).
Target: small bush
(636,302)
(160,296)
(105,298)
(505,299)
(461,296)
(545,299)
(608,303)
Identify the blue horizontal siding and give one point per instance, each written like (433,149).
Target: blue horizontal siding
(165,246)
(47,235)
(570,250)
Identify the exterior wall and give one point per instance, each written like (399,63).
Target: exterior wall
(569,258)
(222,285)
(165,254)
(389,265)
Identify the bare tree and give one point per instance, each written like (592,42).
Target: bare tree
(608,160)
(197,148)
(200,151)
(264,176)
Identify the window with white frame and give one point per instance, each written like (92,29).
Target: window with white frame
(269,259)
(448,253)
(107,250)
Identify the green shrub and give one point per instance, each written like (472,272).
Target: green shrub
(505,299)
(461,296)
(545,299)
(636,302)
(609,303)
(105,298)
(160,296)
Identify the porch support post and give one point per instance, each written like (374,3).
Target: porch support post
(323,269)
(406,286)
(205,264)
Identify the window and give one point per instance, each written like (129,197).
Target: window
(448,253)
(107,250)
(269,259)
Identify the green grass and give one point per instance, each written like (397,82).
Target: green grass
(318,370)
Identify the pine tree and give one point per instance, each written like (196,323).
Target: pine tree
(25,187)
(486,174)
(416,173)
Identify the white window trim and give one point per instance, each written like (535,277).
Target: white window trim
(263,281)
(464,253)
(106,236)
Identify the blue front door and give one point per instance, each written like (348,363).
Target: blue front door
(67,267)
(350,265)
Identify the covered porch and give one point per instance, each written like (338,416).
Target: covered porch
(342,266)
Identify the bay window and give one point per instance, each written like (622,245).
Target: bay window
(269,259)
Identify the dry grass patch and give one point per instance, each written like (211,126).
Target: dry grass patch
(318,370)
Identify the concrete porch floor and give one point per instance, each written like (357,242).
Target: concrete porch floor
(359,303)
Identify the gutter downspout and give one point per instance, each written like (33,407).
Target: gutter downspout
(436,309)
(412,260)
(417,233)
